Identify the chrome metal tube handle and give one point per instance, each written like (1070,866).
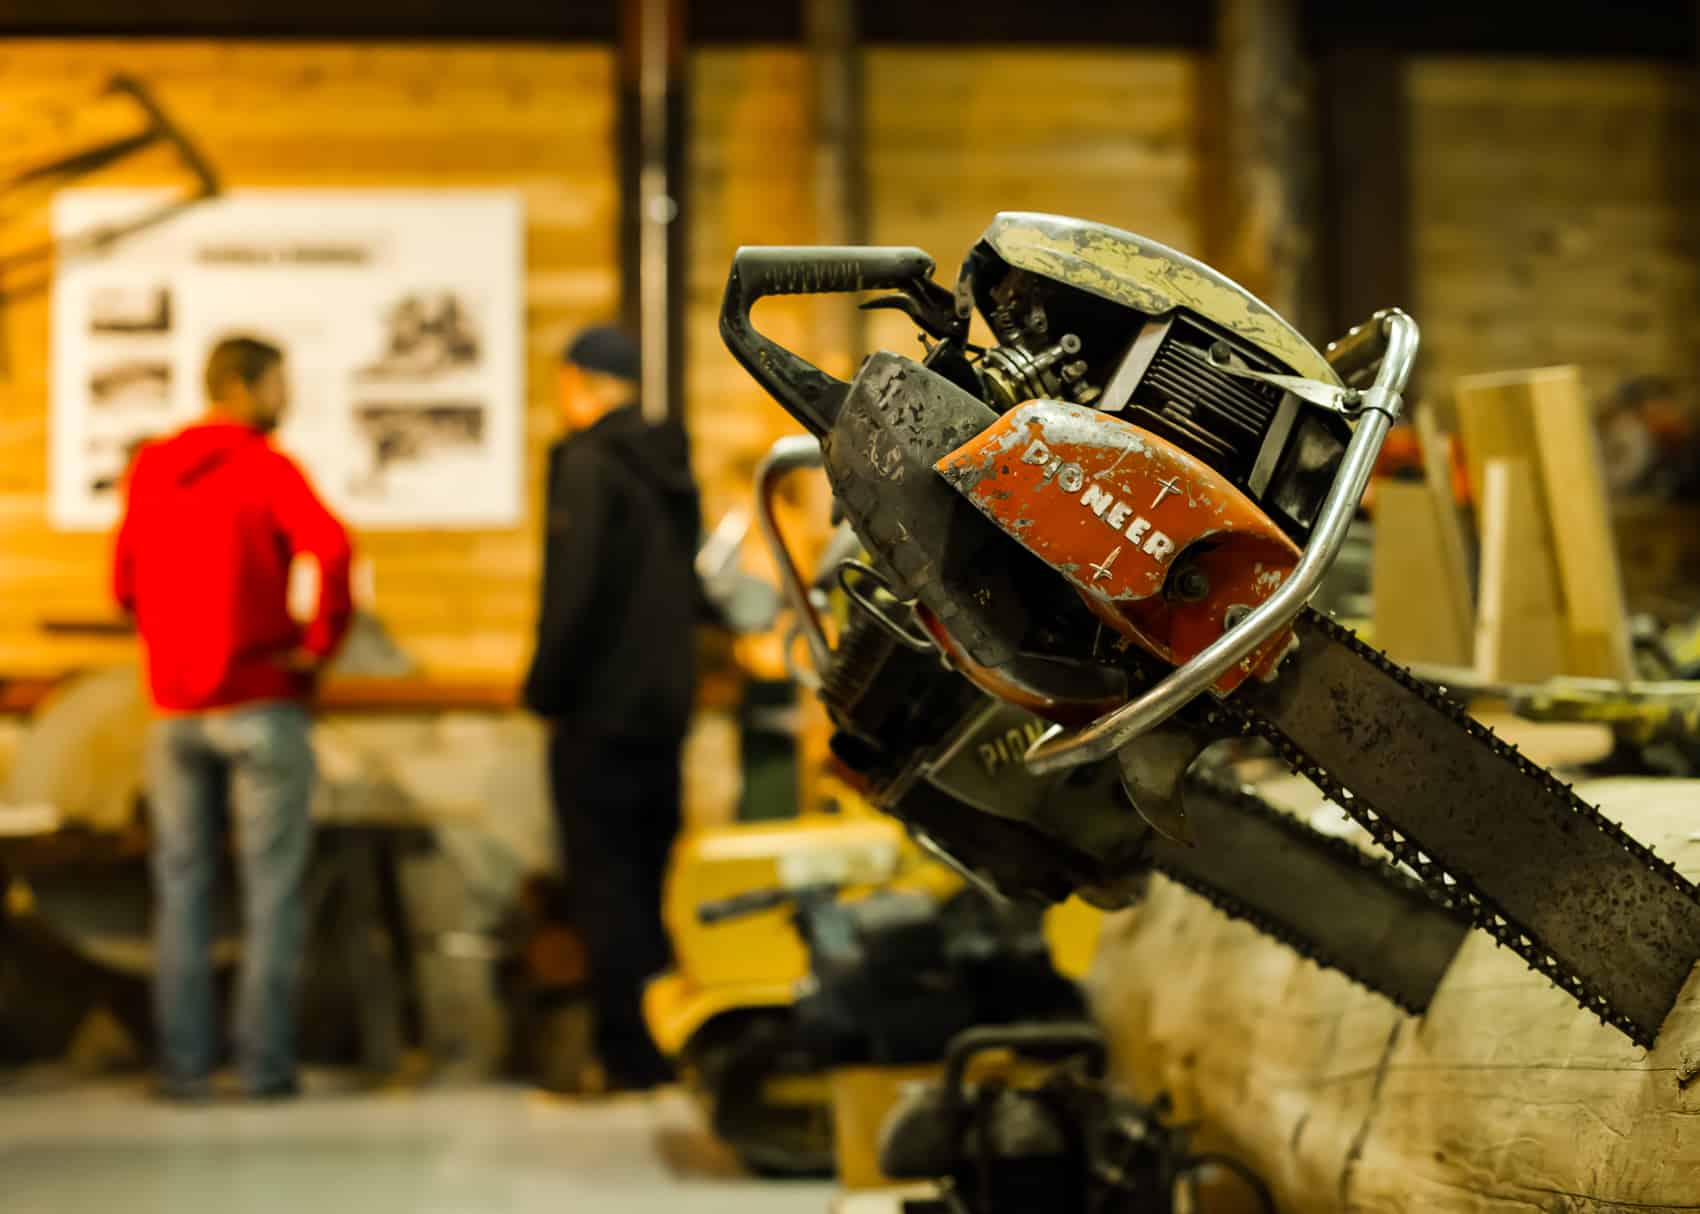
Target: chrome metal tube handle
(786,456)
(1380,404)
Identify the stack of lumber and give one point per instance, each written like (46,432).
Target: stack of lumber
(1545,521)
(1550,593)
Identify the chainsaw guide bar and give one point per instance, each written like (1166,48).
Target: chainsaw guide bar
(1496,837)
(1324,898)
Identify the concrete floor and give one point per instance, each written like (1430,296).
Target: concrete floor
(72,1146)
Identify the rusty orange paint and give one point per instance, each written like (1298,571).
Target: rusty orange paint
(1131,521)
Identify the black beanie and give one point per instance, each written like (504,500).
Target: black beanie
(605,350)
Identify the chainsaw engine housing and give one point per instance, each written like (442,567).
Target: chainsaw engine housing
(1128,325)
(1131,347)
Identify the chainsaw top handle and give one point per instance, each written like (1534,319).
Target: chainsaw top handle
(809,394)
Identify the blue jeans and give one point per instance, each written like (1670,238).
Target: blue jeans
(258,761)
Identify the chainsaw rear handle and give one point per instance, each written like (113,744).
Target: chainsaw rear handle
(1359,352)
(1043,1042)
(808,394)
(1389,337)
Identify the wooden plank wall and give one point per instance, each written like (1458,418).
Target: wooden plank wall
(750,182)
(956,136)
(304,114)
(952,142)
(1553,218)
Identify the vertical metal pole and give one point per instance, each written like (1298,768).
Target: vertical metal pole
(1270,156)
(651,127)
(656,206)
(840,184)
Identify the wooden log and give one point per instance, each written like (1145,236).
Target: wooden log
(1505,1097)
(1519,635)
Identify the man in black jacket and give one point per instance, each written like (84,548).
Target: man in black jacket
(614,674)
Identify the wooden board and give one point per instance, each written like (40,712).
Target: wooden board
(1542,416)
(1567,450)
(1504,1097)
(1520,627)
(1436,450)
(1416,587)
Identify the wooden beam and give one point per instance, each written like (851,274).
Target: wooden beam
(840,179)
(652,137)
(406,693)
(1265,229)
(1366,187)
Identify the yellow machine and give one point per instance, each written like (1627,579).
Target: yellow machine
(756,960)
(725,1013)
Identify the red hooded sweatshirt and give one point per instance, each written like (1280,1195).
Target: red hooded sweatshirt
(212,518)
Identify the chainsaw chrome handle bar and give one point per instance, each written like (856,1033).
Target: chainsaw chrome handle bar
(787,455)
(1389,337)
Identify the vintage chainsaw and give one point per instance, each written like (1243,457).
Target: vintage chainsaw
(929,748)
(1112,517)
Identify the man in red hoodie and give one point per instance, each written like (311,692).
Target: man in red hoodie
(214,515)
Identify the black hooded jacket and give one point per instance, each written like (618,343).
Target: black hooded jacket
(616,632)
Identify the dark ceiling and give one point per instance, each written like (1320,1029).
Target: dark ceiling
(1654,29)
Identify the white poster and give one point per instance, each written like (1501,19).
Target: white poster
(400,314)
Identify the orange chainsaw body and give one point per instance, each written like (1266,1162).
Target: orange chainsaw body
(1165,550)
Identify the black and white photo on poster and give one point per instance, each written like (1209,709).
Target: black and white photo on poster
(128,383)
(130,309)
(400,313)
(427,334)
(410,440)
